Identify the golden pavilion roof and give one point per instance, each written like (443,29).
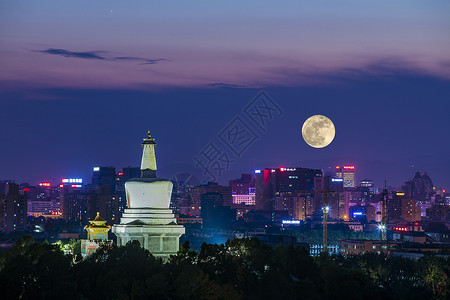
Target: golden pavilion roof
(98,222)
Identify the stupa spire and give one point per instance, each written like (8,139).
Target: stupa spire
(148,163)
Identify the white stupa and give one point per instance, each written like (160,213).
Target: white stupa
(148,218)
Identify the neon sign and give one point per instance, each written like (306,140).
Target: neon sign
(72,180)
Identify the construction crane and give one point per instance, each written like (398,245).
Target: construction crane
(383,226)
(325,211)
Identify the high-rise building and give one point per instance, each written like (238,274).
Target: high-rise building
(362,213)
(242,185)
(410,211)
(270,183)
(210,187)
(438,213)
(126,174)
(105,203)
(211,202)
(420,187)
(74,200)
(130,172)
(2,211)
(321,186)
(347,173)
(4,186)
(43,199)
(247,199)
(332,188)
(104,176)
(122,177)
(263,189)
(394,206)
(294,205)
(14,209)
(49,207)
(368,183)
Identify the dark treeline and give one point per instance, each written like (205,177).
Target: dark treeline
(240,269)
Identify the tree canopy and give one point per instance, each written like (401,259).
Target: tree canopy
(238,269)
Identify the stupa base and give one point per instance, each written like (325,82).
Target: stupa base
(159,240)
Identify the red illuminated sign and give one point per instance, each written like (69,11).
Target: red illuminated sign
(401,228)
(61,185)
(120,174)
(417,224)
(45,184)
(281,169)
(349,167)
(337,167)
(26,189)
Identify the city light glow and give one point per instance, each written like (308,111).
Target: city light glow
(290,221)
(401,228)
(71,180)
(382,227)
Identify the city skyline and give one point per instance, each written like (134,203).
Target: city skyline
(356,180)
(80,83)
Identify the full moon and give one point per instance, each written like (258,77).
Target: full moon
(318,131)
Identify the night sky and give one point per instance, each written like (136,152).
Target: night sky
(82,82)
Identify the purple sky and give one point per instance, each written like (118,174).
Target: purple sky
(204,42)
(87,79)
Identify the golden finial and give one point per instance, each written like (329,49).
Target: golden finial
(149,139)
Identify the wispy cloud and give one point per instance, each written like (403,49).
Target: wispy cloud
(67,53)
(226,85)
(144,61)
(99,55)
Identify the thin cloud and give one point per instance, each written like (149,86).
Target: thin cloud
(97,55)
(387,68)
(144,61)
(227,85)
(67,53)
